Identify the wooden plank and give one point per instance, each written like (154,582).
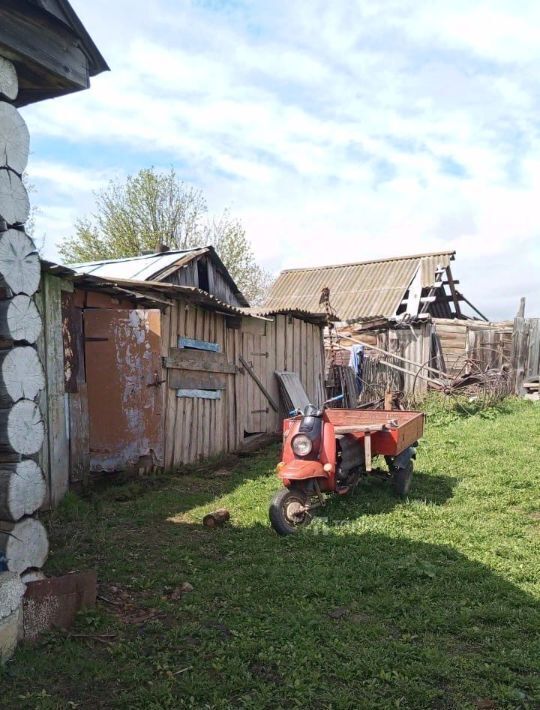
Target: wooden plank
(79,435)
(43,47)
(359,429)
(199,394)
(204,361)
(188,379)
(198,344)
(259,384)
(58,468)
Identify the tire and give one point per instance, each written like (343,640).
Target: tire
(282,514)
(402,479)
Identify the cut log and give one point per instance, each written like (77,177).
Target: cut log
(14,139)
(22,489)
(20,319)
(19,262)
(21,375)
(217,518)
(11,593)
(21,428)
(9,85)
(33,575)
(14,202)
(24,544)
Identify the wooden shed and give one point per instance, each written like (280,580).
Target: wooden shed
(145,374)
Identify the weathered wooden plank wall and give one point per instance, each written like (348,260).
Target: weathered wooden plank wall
(488,343)
(526,351)
(54,457)
(196,428)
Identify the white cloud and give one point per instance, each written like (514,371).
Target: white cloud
(332,129)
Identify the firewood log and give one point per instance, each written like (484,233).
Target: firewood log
(19,262)
(14,139)
(217,518)
(19,319)
(21,375)
(11,592)
(24,544)
(21,428)
(14,202)
(9,85)
(22,489)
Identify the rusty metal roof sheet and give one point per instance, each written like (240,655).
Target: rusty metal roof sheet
(358,290)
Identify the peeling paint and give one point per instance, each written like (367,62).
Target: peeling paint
(124,404)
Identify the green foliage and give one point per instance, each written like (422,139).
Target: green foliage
(431,602)
(153,208)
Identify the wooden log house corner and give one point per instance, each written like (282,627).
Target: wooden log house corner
(44,52)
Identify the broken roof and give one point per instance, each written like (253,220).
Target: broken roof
(358,290)
(155,267)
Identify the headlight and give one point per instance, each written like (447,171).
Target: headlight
(301,445)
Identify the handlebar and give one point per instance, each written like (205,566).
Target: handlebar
(317,412)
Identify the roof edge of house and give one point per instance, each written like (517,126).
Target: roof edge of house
(450,252)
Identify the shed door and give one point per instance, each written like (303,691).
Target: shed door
(123,372)
(258,413)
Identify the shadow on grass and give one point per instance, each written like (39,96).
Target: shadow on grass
(391,620)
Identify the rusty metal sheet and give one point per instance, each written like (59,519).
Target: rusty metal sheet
(125,389)
(54,602)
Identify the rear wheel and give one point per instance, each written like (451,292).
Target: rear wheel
(402,479)
(288,511)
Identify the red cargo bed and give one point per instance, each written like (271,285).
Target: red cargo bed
(391,432)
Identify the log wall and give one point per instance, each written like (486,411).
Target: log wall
(23,539)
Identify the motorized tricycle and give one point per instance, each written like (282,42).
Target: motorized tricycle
(329,450)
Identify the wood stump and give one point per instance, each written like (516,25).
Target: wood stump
(24,544)
(19,319)
(21,375)
(19,262)
(21,429)
(217,518)
(22,489)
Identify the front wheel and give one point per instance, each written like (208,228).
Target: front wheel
(288,511)
(402,479)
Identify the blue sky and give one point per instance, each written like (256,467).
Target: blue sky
(337,131)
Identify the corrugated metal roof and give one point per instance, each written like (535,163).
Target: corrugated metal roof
(142,268)
(145,292)
(156,267)
(360,290)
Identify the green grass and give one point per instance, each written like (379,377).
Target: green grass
(428,603)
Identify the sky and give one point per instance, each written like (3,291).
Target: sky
(336,131)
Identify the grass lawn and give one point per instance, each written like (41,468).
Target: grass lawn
(428,603)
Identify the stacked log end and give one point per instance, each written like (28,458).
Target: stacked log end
(23,539)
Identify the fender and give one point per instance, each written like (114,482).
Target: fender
(298,470)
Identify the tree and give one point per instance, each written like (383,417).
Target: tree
(228,237)
(152,209)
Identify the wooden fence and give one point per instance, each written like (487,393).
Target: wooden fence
(525,351)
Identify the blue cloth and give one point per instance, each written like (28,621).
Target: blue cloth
(356,361)
(3,563)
